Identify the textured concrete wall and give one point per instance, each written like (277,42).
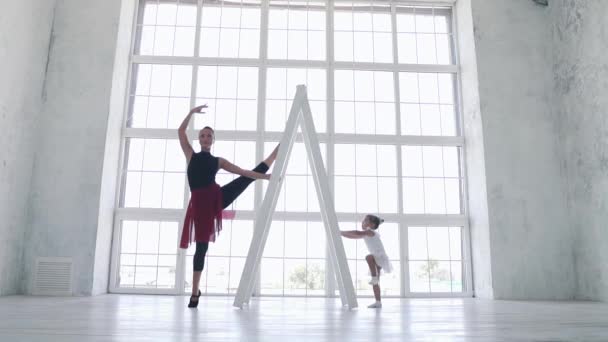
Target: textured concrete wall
(25,32)
(581,85)
(67,175)
(531,240)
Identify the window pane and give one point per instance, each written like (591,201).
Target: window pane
(363,42)
(456,276)
(230,97)
(440,276)
(373,107)
(412,161)
(221,247)
(148,254)
(417,243)
(173,190)
(211,16)
(362,279)
(427,104)
(244,231)
(295,276)
(184,41)
(295,235)
(281,87)
(166,30)
(344,49)
(236,270)
(383,48)
(419,276)
(186,15)
(439,243)
(385,118)
(296,33)
(455,243)
(390,239)
(434,196)
(365,176)
(210,42)
(159,90)
(162,185)
(217,276)
(271,276)
(364,118)
(345,196)
(391,282)
(434,254)
(444,51)
(345,159)
(387,195)
(366,158)
(413,196)
(229,42)
(316,240)
(302,274)
(344,117)
(151,192)
(315,277)
(278,48)
(369,40)
(275,244)
(129,237)
(367,195)
(343,21)
(453,195)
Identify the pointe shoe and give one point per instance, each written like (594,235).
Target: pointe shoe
(192,303)
(376,305)
(274,152)
(374,281)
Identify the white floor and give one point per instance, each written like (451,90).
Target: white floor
(166,318)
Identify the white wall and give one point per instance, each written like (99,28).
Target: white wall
(25,32)
(67,197)
(531,242)
(111,162)
(475,153)
(581,85)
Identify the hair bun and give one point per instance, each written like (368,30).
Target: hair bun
(381,220)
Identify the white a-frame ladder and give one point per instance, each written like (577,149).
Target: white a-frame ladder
(300,115)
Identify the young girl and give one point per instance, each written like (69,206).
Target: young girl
(204,214)
(377,259)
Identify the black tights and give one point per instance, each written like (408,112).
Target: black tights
(230,192)
(199,255)
(235,188)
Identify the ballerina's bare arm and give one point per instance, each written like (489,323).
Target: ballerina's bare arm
(228,166)
(183,137)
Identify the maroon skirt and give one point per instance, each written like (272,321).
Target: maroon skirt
(203,217)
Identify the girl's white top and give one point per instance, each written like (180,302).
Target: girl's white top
(376,248)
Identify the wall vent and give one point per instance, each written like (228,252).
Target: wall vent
(53,277)
(542,2)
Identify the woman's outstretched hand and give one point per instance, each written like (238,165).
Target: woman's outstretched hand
(198,109)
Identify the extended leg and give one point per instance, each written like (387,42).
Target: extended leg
(234,189)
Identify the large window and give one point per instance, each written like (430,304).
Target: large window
(382,80)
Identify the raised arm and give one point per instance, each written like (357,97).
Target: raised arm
(228,166)
(183,137)
(356,234)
